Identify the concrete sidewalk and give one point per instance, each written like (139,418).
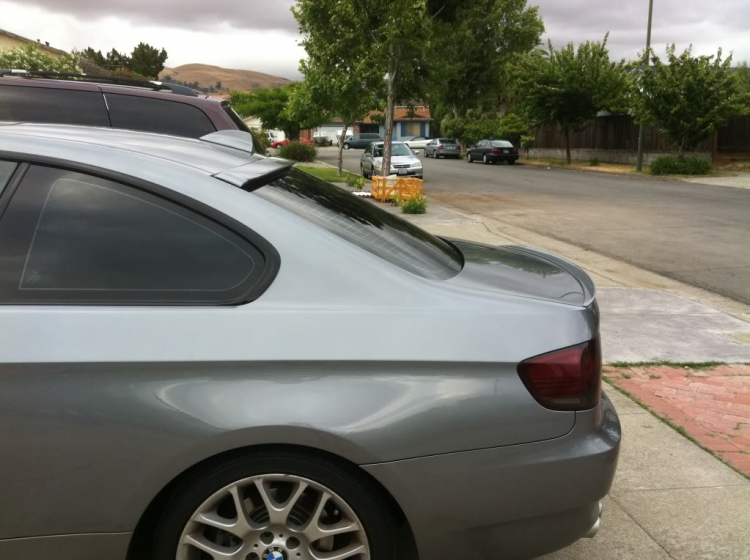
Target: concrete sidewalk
(670,498)
(740,181)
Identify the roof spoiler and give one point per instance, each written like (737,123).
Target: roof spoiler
(257,173)
(236,139)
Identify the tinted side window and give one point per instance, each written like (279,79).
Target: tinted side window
(157,115)
(6,171)
(72,238)
(56,106)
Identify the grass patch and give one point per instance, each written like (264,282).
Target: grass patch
(683,365)
(328,174)
(593,165)
(679,429)
(416,205)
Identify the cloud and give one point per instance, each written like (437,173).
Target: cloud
(199,15)
(262,34)
(683,22)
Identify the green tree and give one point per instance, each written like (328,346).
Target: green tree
(471,45)
(115,60)
(147,60)
(568,86)
(340,80)
(274,109)
(31,57)
(395,33)
(94,56)
(688,98)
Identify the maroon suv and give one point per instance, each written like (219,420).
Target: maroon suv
(112,102)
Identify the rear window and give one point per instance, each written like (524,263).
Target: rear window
(157,115)
(365,225)
(501,144)
(447,141)
(52,105)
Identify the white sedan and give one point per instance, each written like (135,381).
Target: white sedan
(418,142)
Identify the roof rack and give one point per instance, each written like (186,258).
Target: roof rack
(153,85)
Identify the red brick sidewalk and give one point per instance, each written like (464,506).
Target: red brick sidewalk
(712,405)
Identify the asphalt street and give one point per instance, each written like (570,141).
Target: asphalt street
(698,234)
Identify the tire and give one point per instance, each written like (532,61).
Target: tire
(511,162)
(353,497)
(468,158)
(485,160)
(347,146)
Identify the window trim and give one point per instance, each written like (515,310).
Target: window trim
(269,252)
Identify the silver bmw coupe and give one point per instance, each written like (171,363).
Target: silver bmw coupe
(207,354)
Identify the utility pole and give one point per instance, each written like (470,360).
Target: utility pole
(642,129)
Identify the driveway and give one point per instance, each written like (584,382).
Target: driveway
(689,232)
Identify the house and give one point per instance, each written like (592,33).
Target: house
(10,40)
(409,121)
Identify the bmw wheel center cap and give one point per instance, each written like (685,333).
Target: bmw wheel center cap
(274,553)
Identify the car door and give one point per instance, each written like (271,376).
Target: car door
(89,265)
(367,160)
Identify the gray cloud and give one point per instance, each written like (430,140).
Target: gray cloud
(187,14)
(721,23)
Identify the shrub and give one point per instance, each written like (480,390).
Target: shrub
(297,151)
(594,162)
(355,181)
(673,165)
(416,205)
(31,57)
(260,140)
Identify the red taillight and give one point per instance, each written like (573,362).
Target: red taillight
(440,147)
(567,379)
(515,150)
(496,151)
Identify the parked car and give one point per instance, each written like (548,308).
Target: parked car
(322,139)
(79,99)
(404,161)
(443,147)
(418,142)
(183,373)
(493,151)
(276,144)
(361,141)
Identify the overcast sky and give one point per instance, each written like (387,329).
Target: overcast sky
(262,34)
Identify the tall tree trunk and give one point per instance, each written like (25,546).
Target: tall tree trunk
(389,111)
(341,149)
(566,133)
(682,149)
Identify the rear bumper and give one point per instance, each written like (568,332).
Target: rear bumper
(503,157)
(518,501)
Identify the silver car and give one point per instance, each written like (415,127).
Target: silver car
(404,161)
(208,354)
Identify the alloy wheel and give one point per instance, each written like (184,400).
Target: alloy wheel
(274,517)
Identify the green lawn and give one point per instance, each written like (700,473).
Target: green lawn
(326,173)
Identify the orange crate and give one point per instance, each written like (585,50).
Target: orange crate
(406,188)
(383,188)
(409,188)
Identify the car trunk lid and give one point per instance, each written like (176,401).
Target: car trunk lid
(523,272)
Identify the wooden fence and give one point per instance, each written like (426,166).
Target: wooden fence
(619,132)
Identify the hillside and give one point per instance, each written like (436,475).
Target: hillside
(207,75)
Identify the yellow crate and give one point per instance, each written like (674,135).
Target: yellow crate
(409,188)
(383,188)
